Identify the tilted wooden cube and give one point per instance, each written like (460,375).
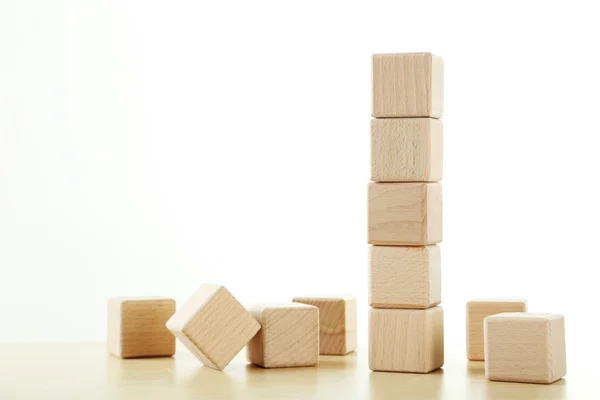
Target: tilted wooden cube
(289,336)
(525,347)
(136,327)
(405,277)
(408,85)
(337,323)
(213,325)
(406,340)
(405,213)
(406,149)
(477,310)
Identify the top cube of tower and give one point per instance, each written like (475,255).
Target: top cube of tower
(408,85)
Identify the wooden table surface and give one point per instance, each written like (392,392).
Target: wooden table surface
(85,371)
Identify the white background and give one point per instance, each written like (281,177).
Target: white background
(147,147)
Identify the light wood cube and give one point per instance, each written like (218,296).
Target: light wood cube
(525,347)
(408,85)
(136,327)
(337,323)
(405,277)
(406,149)
(289,336)
(406,340)
(213,325)
(407,214)
(477,310)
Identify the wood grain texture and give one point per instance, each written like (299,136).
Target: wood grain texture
(337,323)
(406,340)
(289,336)
(405,214)
(525,347)
(477,310)
(406,150)
(213,325)
(136,327)
(408,85)
(405,277)
(83,371)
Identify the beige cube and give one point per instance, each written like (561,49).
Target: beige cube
(406,149)
(337,322)
(408,85)
(136,327)
(213,325)
(477,310)
(405,277)
(525,347)
(406,340)
(407,214)
(289,336)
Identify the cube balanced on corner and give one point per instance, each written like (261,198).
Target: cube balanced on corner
(406,327)
(214,327)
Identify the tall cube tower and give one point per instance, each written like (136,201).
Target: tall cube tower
(406,325)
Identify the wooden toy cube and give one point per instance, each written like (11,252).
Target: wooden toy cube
(136,327)
(408,85)
(337,323)
(406,340)
(477,310)
(213,325)
(289,336)
(404,277)
(406,149)
(407,214)
(525,347)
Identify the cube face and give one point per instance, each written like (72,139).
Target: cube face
(289,336)
(213,325)
(477,310)
(337,323)
(406,150)
(525,347)
(408,85)
(407,214)
(406,340)
(404,277)
(136,327)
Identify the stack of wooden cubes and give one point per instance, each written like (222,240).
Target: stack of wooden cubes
(406,327)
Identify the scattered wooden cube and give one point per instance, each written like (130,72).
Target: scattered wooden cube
(136,327)
(408,85)
(405,277)
(405,213)
(289,336)
(525,347)
(337,323)
(213,325)
(406,340)
(477,310)
(406,149)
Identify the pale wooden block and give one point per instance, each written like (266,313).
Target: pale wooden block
(213,325)
(337,323)
(406,149)
(477,310)
(406,340)
(407,214)
(525,347)
(408,85)
(289,336)
(405,277)
(136,327)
